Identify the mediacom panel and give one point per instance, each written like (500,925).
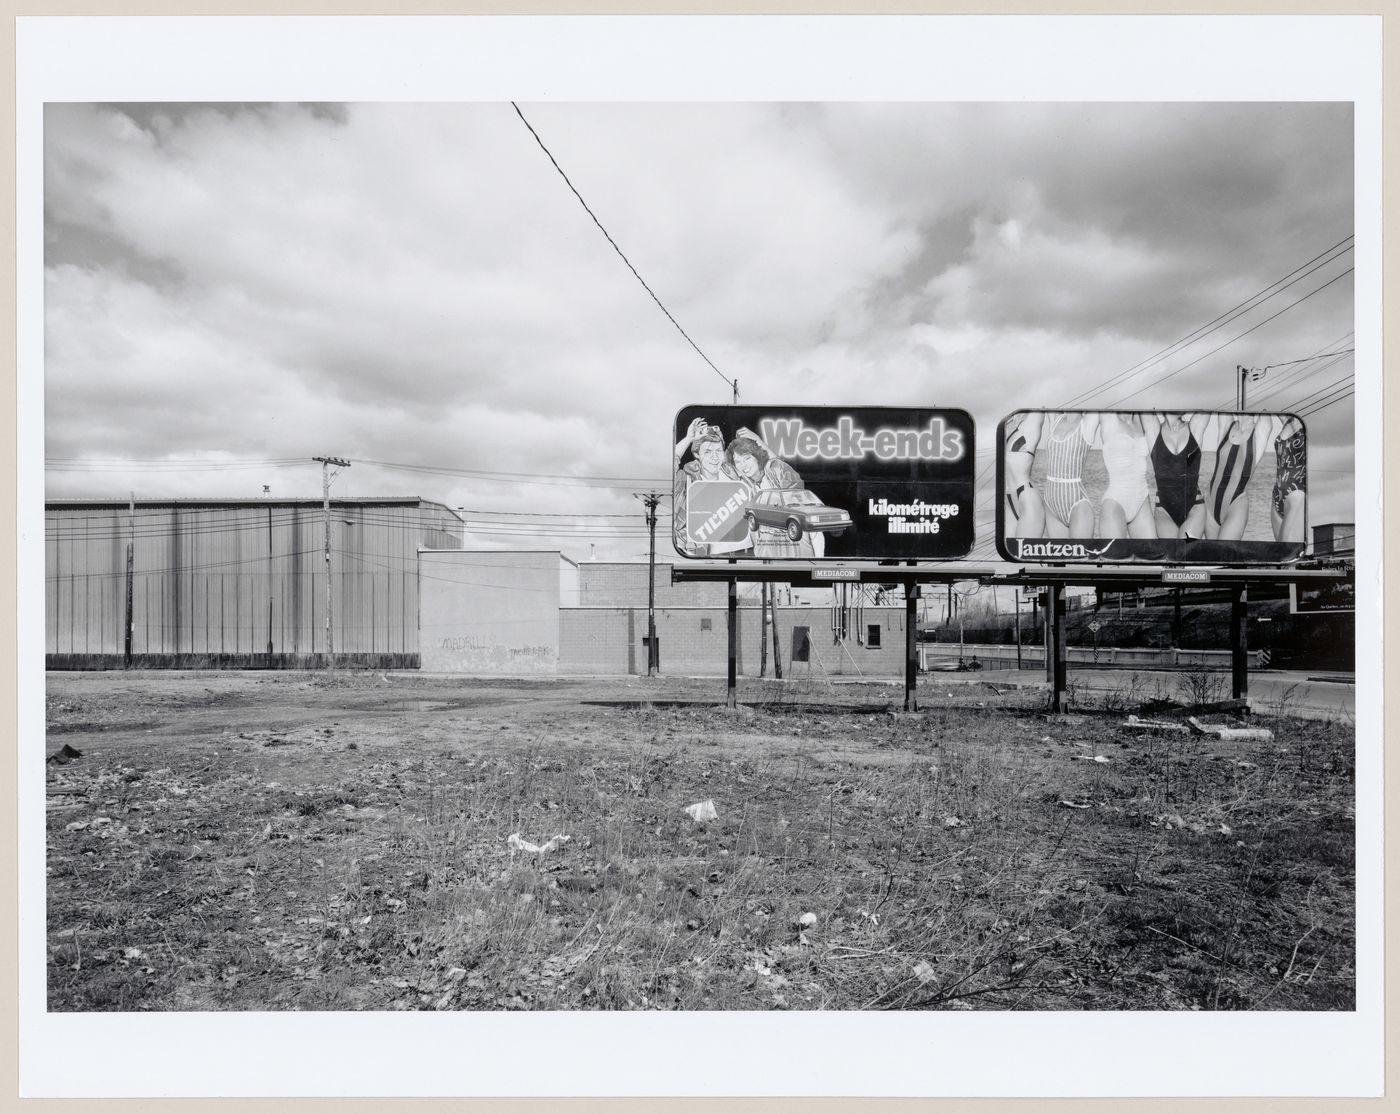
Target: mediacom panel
(790,482)
(1159,487)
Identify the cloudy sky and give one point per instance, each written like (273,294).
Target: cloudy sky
(233,289)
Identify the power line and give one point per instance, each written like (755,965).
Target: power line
(1252,302)
(733,383)
(1319,409)
(1237,336)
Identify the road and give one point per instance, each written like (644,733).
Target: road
(1307,695)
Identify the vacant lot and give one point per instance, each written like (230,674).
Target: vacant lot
(291,841)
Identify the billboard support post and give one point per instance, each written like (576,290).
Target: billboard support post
(1060,699)
(1017,600)
(1047,640)
(911,643)
(1239,643)
(730,700)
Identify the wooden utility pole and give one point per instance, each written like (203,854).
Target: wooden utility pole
(650,500)
(326,477)
(777,654)
(130,575)
(763,632)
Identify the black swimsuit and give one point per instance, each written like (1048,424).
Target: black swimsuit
(1178,477)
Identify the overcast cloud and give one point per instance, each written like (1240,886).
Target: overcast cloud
(416,284)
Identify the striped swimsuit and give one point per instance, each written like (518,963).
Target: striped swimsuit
(1064,472)
(1229,486)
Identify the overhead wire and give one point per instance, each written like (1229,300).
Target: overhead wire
(733,384)
(1273,317)
(1252,302)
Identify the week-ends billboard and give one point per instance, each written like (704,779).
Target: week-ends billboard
(1160,487)
(844,483)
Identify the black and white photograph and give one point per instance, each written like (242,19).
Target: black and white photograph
(526,562)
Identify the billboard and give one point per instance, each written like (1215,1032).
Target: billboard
(1330,596)
(1151,486)
(843,483)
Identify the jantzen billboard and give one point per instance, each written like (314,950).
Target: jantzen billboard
(1160,487)
(793,482)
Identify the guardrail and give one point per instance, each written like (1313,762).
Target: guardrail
(993,656)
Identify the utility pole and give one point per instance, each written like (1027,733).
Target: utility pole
(763,633)
(1244,373)
(326,477)
(651,499)
(130,574)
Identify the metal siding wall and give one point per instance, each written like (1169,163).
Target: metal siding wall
(203,581)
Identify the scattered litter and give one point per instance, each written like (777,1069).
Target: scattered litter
(64,755)
(1072,804)
(1099,758)
(953,822)
(1226,830)
(1155,725)
(923,971)
(1261,733)
(807,920)
(702,811)
(518,844)
(75,826)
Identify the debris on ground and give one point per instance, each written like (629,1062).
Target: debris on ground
(1133,723)
(64,755)
(518,844)
(1263,734)
(702,811)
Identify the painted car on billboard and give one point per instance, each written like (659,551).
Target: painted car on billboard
(795,512)
(1151,486)
(848,483)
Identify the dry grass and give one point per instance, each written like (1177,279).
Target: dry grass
(342,844)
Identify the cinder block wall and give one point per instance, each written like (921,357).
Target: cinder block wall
(624,584)
(694,641)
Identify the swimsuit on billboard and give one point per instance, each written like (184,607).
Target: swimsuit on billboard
(1178,477)
(1018,444)
(1125,457)
(1064,470)
(1292,467)
(1227,485)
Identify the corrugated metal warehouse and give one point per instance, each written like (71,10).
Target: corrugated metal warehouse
(236,583)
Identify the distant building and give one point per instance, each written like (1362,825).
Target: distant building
(242,584)
(539,612)
(1334,539)
(236,583)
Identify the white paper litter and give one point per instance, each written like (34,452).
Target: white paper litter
(518,844)
(702,811)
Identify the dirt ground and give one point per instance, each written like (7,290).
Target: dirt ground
(249,841)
